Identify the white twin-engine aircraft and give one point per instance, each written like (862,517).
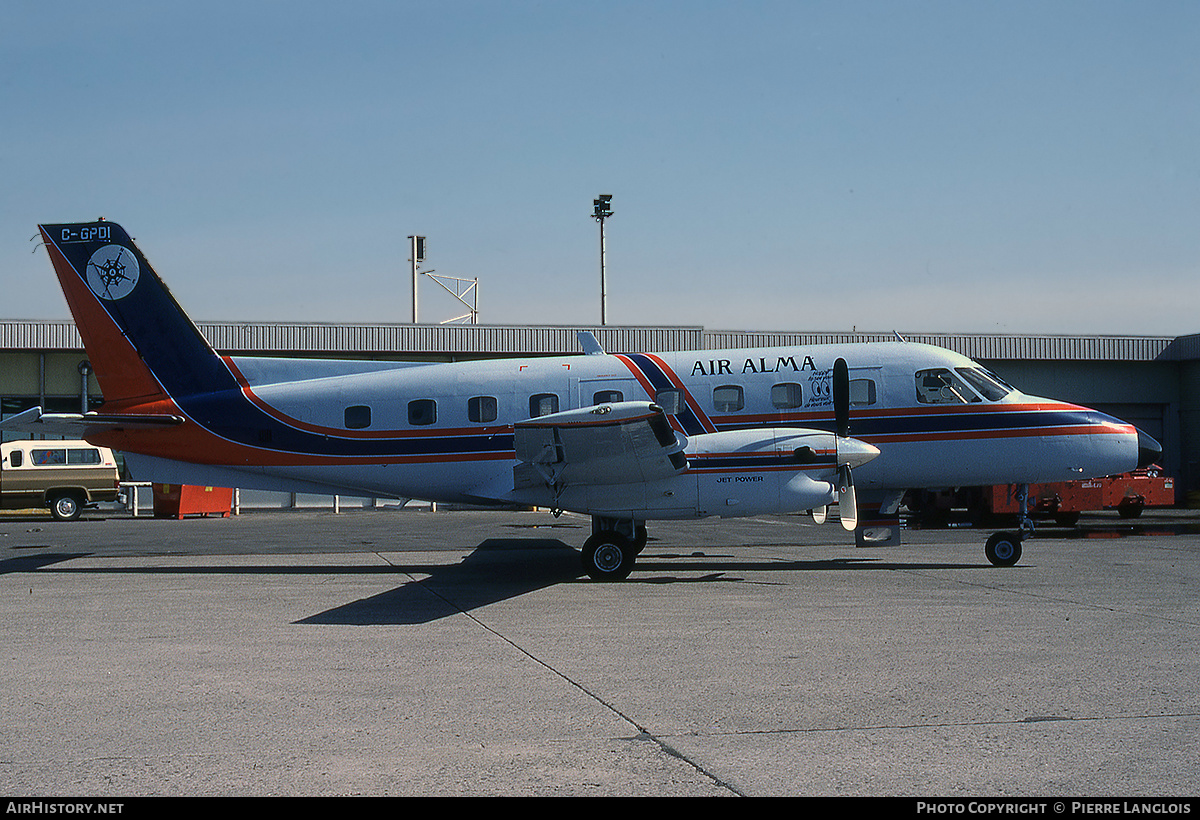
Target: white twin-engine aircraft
(624,438)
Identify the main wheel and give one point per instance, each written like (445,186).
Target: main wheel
(1003,549)
(66,507)
(608,556)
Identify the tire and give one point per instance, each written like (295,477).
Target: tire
(1003,549)
(1129,510)
(66,507)
(608,556)
(1066,519)
(641,536)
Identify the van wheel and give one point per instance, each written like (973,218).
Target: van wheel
(66,507)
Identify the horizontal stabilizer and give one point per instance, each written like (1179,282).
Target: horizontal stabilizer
(80,425)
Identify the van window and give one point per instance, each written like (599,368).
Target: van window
(482,409)
(48,457)
(88,456)
(16,458)
(543,404)
(422,411)
(728,398)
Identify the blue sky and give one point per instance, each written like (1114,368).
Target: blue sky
(919,166)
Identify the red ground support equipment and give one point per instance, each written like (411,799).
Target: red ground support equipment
(178,500)
(1128,494)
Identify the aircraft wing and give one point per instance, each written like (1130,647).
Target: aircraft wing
(81,425)
(617,443)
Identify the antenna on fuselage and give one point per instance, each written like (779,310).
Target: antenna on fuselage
(587,341)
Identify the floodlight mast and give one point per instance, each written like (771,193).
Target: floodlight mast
(417,246)
(602,210)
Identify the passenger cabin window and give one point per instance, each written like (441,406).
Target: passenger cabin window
(482,409)
(728,398)
(942,386)
(670,400)
(607,396)
(862,392)
(543,404)
(422,411)
(786,396)
(358,417)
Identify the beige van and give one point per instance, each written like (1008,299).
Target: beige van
(62,475)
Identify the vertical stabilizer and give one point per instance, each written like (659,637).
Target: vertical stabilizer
(142,345)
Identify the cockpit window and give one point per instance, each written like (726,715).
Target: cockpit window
(943,386)
(988,385)
(962,385)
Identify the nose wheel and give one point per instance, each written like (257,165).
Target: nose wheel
(1003,549)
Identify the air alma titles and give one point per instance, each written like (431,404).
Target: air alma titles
(718,367)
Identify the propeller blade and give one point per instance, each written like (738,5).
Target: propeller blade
(820,515)
(847,500)
(841,397)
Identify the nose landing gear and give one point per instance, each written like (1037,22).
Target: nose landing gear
(1003,549)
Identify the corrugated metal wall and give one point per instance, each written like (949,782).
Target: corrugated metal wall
(348,339)
(977,346)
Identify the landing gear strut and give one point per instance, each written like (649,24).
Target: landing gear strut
(1004,548)
(611,551)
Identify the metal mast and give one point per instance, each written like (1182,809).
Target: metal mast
(417,246)
(602,210)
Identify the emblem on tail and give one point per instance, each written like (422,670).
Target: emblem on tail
(112,272)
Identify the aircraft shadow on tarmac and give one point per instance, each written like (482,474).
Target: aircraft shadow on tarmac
(500,569)
(37,561)
(496,570)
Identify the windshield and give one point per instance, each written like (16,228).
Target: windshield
(962,385)
(988,385)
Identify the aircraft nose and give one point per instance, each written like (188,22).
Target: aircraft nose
(1149,450)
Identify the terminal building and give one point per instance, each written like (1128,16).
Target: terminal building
(1150,381)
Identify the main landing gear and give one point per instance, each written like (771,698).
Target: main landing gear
(611,551)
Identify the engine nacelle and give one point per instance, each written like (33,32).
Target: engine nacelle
(731,473)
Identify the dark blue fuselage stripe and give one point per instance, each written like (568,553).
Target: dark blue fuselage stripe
(952,423)
(660,381)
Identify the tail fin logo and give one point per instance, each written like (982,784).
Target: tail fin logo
(112,272)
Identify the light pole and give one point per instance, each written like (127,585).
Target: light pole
(602,210)
(417,247)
